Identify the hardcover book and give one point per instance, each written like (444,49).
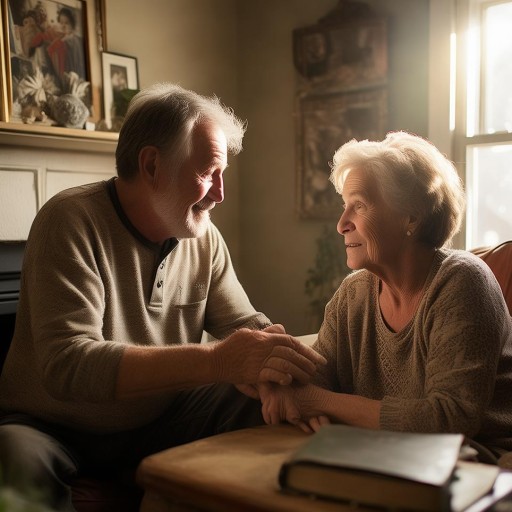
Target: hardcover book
(413,471)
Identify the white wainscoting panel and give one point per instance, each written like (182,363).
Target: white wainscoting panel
(18,202)
(29,176)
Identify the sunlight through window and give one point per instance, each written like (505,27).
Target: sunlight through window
(486,145)
(497,55)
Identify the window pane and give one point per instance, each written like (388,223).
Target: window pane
(497,52)
(489,188)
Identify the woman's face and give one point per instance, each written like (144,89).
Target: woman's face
(374,232)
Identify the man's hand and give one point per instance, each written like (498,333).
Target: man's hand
(276,328)
(270,355)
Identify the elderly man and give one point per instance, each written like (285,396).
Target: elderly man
(120,280)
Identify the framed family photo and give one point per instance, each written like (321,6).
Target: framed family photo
(51,65)
(120,83)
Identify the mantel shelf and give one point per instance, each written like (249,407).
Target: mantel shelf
(12,134)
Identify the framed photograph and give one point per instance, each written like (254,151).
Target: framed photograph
(51,66)
(342,53)
(120,83)
(324,123)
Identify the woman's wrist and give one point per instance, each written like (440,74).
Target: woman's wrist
(314,400)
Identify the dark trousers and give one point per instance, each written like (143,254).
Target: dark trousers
(40,459)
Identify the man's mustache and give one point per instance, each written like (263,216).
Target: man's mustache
(204,204)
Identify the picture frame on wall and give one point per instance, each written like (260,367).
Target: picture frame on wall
(346,53)
(341,90)
(120,84)
(324,123)
(51,65)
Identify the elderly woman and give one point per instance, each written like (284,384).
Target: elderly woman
(417,338)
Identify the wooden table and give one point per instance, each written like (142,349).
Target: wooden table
(232,472)
(238,472)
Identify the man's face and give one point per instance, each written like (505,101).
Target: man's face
(185,196)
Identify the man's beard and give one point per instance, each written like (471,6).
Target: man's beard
(199,217)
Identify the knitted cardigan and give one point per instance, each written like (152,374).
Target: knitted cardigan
(448,370)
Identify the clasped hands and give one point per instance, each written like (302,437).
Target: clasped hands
(275,368)
(268,355)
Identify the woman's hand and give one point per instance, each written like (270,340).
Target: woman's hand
(298,405)
(315,423)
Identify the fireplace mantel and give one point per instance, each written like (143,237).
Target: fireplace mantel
(12,134)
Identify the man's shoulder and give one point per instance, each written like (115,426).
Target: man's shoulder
(80,193)
(67,207)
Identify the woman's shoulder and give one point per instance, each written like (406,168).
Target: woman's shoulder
(355,277)
(357,283)
(463,271)
(462,262)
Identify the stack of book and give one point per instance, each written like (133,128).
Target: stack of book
(398,470)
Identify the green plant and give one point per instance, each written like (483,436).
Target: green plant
(121,100)
(326,274)
(13,501)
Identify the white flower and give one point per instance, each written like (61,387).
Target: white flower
(75,85)
(35,88)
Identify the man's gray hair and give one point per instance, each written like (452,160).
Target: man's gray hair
(164,115)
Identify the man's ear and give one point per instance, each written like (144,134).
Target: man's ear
(413,223)
(148,164)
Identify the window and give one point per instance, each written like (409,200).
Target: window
(483,117)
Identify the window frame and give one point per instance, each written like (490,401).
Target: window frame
(450,21)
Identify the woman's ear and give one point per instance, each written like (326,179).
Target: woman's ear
(148,164)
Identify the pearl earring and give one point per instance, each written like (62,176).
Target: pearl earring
(408,233)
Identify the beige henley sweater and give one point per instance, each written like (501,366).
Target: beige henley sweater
(92,285)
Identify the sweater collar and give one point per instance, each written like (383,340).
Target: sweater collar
(168,244)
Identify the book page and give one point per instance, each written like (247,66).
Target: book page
(471,481)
